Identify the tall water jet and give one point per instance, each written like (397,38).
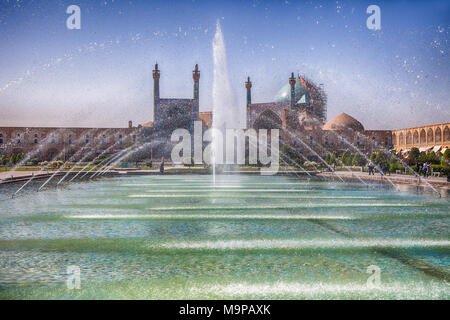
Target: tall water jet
(225,110)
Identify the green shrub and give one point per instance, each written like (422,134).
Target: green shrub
(393,166)
(445,161)
(98,161)
(445,170)
(3,160)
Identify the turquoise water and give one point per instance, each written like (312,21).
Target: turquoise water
(153,237)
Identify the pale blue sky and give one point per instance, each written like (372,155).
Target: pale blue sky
(101,75)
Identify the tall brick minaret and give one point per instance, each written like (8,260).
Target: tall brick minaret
(196,77)
(248,85)
(156,76)
(292,84)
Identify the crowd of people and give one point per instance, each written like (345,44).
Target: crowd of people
(424,168)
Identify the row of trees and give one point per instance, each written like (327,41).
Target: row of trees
(347,159)
(357,159)
(14,159)
(415,156)
(439,161)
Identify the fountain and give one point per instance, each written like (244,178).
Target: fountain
(246,236)
(225,109)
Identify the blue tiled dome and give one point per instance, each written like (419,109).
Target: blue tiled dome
(301,93)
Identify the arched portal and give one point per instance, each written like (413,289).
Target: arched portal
(175,118)
(268,120)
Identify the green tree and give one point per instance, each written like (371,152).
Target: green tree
(394,165)
(373,156)
(445,161)
(343,158)
(433,158)
(380,157)
(333,157)
(413,154)
(327,158)
(358,160)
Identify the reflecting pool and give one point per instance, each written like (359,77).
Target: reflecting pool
(183,237)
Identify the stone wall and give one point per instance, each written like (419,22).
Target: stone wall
(63,143)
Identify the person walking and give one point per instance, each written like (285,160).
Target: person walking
(386,168)
(420,168)
(161,166)
(426,169)
(371,167)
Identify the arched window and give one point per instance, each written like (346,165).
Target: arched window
(409,138)
(416,137)
(438,135)
(18,137)
(401,139)
(430,136)
(423,137)
(446,134)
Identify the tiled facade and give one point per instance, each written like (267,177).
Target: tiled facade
(64,143)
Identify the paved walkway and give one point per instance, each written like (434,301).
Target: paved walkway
(346,175)
(395,178)
(20,174)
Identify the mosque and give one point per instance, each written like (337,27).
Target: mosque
(299,110)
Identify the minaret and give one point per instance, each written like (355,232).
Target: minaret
(196,77)
(292,84)
(156,76)
(248,85)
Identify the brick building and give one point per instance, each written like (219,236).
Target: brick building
(426,138)
(64,143)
